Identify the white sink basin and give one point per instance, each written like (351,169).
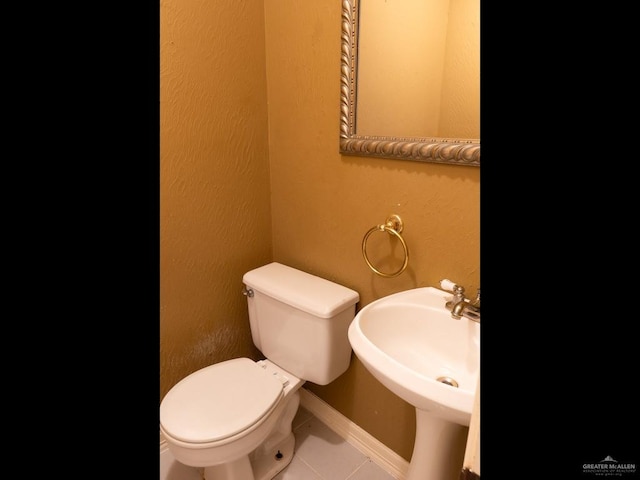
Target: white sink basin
(409,340)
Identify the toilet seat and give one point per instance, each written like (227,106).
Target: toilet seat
(219,401)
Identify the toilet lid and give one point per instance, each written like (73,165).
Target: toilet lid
(219,401)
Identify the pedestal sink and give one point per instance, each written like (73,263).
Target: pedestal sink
(412,345)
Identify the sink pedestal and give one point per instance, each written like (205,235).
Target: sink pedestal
(438,451)
(410,343)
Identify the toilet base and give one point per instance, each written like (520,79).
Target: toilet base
(276,452)
(270,458)
(269,464)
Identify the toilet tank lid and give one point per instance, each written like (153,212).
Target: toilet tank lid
(310,293)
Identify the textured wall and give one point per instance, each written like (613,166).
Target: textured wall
(401,50)
(239,189)
(460,115)
(214,179)
(419,68)
(323,203)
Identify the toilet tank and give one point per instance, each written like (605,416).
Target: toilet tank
(300,321)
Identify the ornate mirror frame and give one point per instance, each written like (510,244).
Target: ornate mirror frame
(436,150)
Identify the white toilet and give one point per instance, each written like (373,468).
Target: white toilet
(233,418)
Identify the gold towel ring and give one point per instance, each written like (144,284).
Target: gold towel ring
(393,226)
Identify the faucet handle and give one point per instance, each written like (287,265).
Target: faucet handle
(476,302)
(447,284)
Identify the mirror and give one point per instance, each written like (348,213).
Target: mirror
(380,114)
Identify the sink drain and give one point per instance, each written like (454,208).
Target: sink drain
(447,381)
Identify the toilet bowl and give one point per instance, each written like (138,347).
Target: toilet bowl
(233,419)
(216,417)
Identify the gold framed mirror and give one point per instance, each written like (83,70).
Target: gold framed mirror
(357,132)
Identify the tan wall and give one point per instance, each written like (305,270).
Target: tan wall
(221,214)
(401,54)
(215,217)
(460,114)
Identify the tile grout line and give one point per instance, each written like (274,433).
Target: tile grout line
(366,459)
(307,422)
(368,445)
(364,462)
(311,468)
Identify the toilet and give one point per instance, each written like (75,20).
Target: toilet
(233,419)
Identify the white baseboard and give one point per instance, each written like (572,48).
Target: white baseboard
(382,455)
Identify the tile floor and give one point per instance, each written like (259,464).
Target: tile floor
(320,454)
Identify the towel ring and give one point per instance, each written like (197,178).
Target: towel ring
(393,226)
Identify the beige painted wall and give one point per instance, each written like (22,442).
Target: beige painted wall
(460,114)
(242,184)
(215,217)
(419,68)
(401,54)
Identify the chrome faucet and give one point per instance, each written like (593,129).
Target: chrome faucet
(459,305)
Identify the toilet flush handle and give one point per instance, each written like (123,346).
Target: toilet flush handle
(247,292)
